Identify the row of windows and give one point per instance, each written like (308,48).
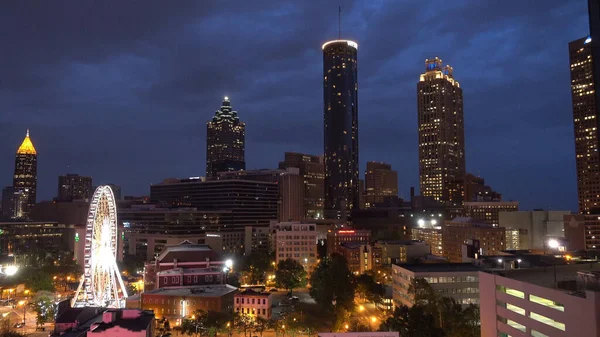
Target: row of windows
(237,300)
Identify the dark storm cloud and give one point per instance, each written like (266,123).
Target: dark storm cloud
(122,90)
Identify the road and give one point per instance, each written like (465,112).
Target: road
(281,303)
(15,315)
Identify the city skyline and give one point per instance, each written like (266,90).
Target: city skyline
(101,114)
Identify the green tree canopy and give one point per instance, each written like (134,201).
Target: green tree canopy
(290,274)
(332,279)
(368,289)
(43,306)
(412,322)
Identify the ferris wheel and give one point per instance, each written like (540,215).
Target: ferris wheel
(101,283)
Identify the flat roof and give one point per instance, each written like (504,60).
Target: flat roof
(186,271)
(544,276)
(216,290)
(440,267)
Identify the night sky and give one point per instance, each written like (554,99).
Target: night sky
(122,90)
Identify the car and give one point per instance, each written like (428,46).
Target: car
(294,298)
(19,325)
(273,290)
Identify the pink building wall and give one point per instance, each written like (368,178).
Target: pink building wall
(580,315)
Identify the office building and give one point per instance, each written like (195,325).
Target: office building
(477,190)
(585,119)
(541,302)
(311,169)
(297,241)
(381,183)
(459,231)
(582,232)
(360,257)
(25,179)
(290,192)
(432,236)
(74,187)
(340,95)
(402,251)
(456,280)
(336,237)
(251,203)
(534,227)
(487,211)
(441,134)
(225,141)
(253,304)
(175,304)
(8,207)
(257,239)
(116,190)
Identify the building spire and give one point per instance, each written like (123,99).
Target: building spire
(27,146)
(27,134)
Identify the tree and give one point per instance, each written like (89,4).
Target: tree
(368,289)
(38,280)
(242,323)
(6,329)
(256,266)
(332,279)
(261,324)
(412,322)
(290,274)
(233,279)
(43,305)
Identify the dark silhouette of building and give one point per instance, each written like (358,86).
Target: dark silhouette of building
(8,207)
(381,183)
(340,95)
(25,179)
(311,170)
(225,139)
(594,19)
(116,190)
(441,134)
(477,190)
(74,187)
(585,119)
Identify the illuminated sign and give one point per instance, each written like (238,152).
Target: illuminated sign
(76,237)
(345,232)
(213,235)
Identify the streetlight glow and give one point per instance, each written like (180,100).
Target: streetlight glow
(229,264)
(553,243)
(11,270)
(421,222)
(434,222)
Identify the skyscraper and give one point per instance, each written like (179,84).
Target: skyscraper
(25,178)
(225,138)
(381,183)
(74,187)
(585,119)
(311,170)
(441,134)
(340,96)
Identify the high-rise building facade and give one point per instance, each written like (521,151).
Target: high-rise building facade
(74,187)
(487,211)
(340,112)
(441,134)
(311,170)
(25,179)
(297,241)
(381,182)
(225,141)
(477,190)
(585,119)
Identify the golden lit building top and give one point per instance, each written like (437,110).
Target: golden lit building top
(27,146)
(434,70)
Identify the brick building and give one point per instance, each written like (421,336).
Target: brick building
(253,304)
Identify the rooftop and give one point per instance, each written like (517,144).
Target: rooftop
(27,146)
(178,271)
(215,290)
(400,242)
(544,276)
(128,319)
(250,292)
(187,252)
(440,267)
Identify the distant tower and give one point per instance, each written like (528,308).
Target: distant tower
(340,121)
(25,179)
(225,141)
(441,134)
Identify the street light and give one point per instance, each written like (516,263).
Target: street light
(421,222)
(11,270)
(553,243)
(373,321)
(361,308)
(24,307)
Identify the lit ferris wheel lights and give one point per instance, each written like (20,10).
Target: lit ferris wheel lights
(101,283)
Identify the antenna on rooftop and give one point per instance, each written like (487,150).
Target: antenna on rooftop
(340,22)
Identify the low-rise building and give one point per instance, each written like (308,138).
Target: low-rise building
(456,280)
(487,211)
(336,237)
(402,251)
(174,304)
(582,232)
(253,304)
(297,241)
(541,302)
(361,258)
(457,232)
(431,236)
(534,227)
(125,323)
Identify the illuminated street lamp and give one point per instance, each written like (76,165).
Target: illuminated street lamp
(421,222)
(11,270)
(361,308)
(373,321)
(553,243)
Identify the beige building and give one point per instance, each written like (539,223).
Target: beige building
(431,236)
(528,302)
(457,232)
(297,241)
(381,182)
(487,211)
(403,251)
(253,304)
(585,120)
(456,280)
(311,170)
(533,227)
(441,134)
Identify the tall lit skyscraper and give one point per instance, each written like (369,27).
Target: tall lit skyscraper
(311,170)
(25,178)
(381,183)
(585,119)
(340,96)
(441,134)
(74,187)
(225,139)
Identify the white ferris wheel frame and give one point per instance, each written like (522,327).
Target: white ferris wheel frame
(101,283)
